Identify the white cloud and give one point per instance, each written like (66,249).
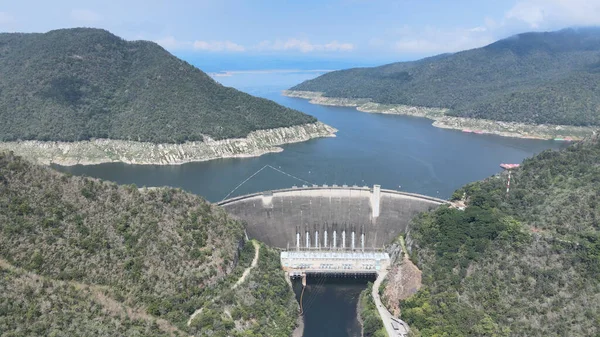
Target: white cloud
(169,42)
(304,46)
(85,15)
(523,15)
(218,46)
(338,46)
(478,29)
(527,12)
(433,40)
(550,13)
(6,18)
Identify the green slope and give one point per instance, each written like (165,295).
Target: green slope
(77,84)
(534,78)
(526,265)
(87,257)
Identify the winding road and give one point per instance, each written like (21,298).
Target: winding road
(386,316)
(239,281)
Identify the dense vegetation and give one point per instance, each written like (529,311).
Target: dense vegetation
(538,78)
(527,264)
(372,325)
(34,306)
(264,307)
(77,84)
(87,257)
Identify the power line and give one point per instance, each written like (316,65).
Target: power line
(289,175)
(257,172)
(243,182)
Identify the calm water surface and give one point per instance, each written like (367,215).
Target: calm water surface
(330,305)
(398,152)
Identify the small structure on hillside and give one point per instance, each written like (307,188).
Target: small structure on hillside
(509,167)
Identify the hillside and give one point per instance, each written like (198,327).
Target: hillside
(78,84)
(523,265)
(532,78)
(79,256)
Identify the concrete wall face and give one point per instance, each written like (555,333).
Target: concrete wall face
(275,217)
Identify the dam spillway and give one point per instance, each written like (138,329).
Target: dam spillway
(277,217)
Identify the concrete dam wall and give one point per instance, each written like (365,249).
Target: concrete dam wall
(274,217)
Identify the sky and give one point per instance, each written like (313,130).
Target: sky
(367,31)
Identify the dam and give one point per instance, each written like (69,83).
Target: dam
(328,217)
(338,231)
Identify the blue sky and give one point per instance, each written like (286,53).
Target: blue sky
(366,30)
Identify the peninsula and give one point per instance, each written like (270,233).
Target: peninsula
(532,85)
(83,95)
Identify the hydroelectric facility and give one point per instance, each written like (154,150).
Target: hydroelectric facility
(329,229)
(332,231)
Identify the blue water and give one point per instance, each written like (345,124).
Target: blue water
(398,152)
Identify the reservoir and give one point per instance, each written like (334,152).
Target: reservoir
(398,152)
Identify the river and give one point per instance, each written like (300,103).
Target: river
(398,152)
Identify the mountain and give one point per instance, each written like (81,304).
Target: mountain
(77,84)
(536,78)
(84,257)
(523,264)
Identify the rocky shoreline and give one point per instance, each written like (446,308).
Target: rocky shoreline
(470,125)
(99,151)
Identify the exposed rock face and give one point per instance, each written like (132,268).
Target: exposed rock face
(404,280)
(107,150)
(441,120)
(318,98)
(512,129)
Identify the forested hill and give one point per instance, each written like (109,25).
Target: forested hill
(551,78)
(527,264)
(77,84)
(84,257)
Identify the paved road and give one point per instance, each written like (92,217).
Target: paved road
(386,316)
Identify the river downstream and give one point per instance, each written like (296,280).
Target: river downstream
(399,152)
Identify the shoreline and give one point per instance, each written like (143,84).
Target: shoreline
(299,330)
(100,151)
(441,120)
(358,315)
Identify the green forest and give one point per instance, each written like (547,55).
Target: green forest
(536,78)
(79,84)
(81,257)
(372,325)
(264,307)
(523,264)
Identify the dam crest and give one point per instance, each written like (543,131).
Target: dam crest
(302,217)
